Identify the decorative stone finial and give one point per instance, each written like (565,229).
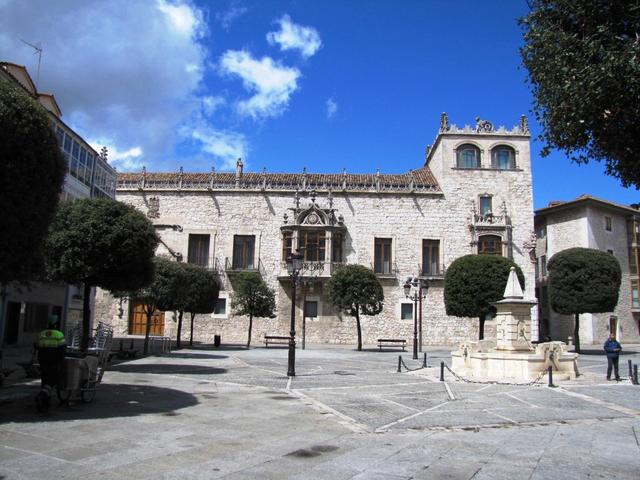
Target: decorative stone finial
(483,126)
(104,153)
(513,288)
(444,122)
(524,124)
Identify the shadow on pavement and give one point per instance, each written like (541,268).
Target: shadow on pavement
(160,368)
(601,353)
(111,401)
(196,356)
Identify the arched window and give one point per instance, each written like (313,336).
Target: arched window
(468,156)
(503,158)
(490,245)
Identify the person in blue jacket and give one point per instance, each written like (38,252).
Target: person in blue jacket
(612,347)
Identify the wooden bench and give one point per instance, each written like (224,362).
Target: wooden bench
(275,339)
(392,342)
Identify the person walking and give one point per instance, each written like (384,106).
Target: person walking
(612,347)
(51,348)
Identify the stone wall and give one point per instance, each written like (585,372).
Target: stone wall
(407,218)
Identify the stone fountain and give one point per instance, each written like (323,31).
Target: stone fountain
(512,357)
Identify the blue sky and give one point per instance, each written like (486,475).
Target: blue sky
(325,85)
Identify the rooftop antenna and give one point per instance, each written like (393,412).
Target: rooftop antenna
(38,50)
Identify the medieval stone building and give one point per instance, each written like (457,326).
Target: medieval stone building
(472,195)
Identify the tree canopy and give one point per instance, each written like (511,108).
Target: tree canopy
(472,282)
(103,243)
(583,280)
(355,290)
(253,298)
(584,72)
(31,180)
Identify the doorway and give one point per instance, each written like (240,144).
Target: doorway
(12,324)
(613,326)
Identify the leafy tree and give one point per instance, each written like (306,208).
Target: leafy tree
(472,282)
(583,280)
(162,293)
(200,296)
(252,297)
(31,179)
(103,243)
(582,59)
(356,290)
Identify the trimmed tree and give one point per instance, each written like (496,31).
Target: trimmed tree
(472,282)
(253,298)
(583,280)
(355,290)
(200,297)
(582,59)
(100,243)
(162,293)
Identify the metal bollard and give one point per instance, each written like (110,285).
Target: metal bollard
(635,374)
(424,362)
(399,363)
(551,377)
(631,371)
(442,371)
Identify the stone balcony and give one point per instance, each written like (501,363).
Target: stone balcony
(311,270)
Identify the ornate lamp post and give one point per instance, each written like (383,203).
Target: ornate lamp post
(294,265)
(414,290)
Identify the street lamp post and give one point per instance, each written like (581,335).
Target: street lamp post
(414,290)
(294,265)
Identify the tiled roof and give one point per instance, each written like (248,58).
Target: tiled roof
(417,180)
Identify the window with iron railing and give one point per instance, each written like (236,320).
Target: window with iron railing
(198,252)
(382,256)
(243,252)
(430,257)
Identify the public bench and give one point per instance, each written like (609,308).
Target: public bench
(392,342)
(275,340)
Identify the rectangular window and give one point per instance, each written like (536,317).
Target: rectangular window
(221,307)
(313,245)
(607,224)
(543,265)
(485,205)
(633,260)
(336,247)
(490,245)
(430,257)
(382,254)
(311,309)
(243,248)
(406,311)
(198,250)
(36,316)
(287,242)
(635,300)
(68,142)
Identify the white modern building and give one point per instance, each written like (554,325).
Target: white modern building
(89,175)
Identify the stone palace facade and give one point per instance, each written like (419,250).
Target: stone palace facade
(472,195)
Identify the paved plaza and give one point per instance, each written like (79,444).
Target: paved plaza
(233,413)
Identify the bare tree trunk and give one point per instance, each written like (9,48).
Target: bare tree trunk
(481,329)
(149,313)
(193,315)
(86,317)
(359,330)
(179,332)
(576,333)
(250,326)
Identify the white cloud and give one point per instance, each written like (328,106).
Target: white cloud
(292,36)
(272,82)
(230,15)
(124,161)
(127,71)
(226,146)
(332,108)
(211,103)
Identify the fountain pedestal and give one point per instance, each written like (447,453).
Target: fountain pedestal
(511,357)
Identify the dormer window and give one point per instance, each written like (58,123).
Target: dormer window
(503,158)
(468,156)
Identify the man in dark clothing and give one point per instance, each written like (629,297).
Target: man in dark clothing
(612,347)
(51,348)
